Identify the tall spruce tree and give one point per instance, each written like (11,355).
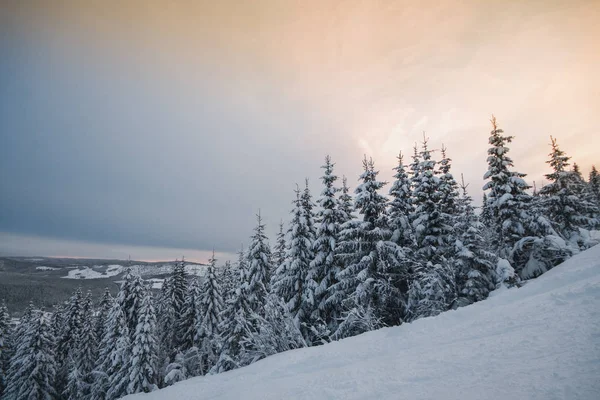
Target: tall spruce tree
(190,317)
(209,321)
(103,310)
(400,206)
(324,268)
(346,205)
(507,199)
(5,345)
(562,198)
(32,374)
(68,338)
(280,249)
(142,364)
(369,258)
(258,274)
(593,188)
(291,276)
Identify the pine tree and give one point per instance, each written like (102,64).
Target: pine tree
(593,188)
(32,374)
(506,199)
(256,281)
(230,279)
(450,195)
(5,345)
(104,307)
(400,206)
(130,298)
(475,266)
(209,322)
(369,256)
(68,335)
(115,357)
(346,205)
(562,198)
(291,276)
(433,285)
(83,360)
(280,249)
(325,267)
(188,324)
(142,364)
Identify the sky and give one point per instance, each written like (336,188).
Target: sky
(160,128)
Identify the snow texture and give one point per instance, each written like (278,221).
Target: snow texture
(541,341)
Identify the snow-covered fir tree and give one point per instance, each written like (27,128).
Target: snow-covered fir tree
(5,345)
(257,278)
(291,276)
(593,188)
(209,320)
(369,257)
(188,323)
(562,198)
(448,186)
(142,364)
(433,285)
(84,359)
(130,298)
(68,337)
(475,266)
(229,276)
(106,303)
(279,250)
(32,373)
(400,206)
(324,268)
(346,204)
(507,199)
(113,352)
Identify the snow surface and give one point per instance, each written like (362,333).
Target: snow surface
(95,272)
(100,271)
(541,341)
(44,268)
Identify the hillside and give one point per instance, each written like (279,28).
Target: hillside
(541,341)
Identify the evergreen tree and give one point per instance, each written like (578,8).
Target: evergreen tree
(83,360)
(112,354)
(5,345)
(475,266)
(400,206)
(291,276)
(346,205)
(258,274)
(130,298)
(142,364)
(68,335)
(32,374)
(433,285)
(104,307)
(449,190)
(324,268)
(593,188)
(506,197)
(280,249)
(369,256)
(562,198)
(209,322)
(188,324)
(230,279)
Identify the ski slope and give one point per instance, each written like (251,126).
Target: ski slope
(541,341)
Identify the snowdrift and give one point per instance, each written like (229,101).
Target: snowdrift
(541,341)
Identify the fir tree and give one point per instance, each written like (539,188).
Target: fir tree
(83,361)
(130,298)
(209,321)
(325,267)
(142,364)
(230,280)
(5,345)
(593,188)
(346,205)
(400,206)
(280,249)
(506,197)
(475,266)
(291,276)
(188,324)
(32,374)
(562,198)
(369,257)
(104,307)
(258,274)
(68,335)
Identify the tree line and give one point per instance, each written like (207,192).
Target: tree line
(346,264)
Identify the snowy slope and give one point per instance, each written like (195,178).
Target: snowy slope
(538,342)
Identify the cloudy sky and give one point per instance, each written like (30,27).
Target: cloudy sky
(160,128)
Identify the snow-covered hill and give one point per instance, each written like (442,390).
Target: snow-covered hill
(541,341)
